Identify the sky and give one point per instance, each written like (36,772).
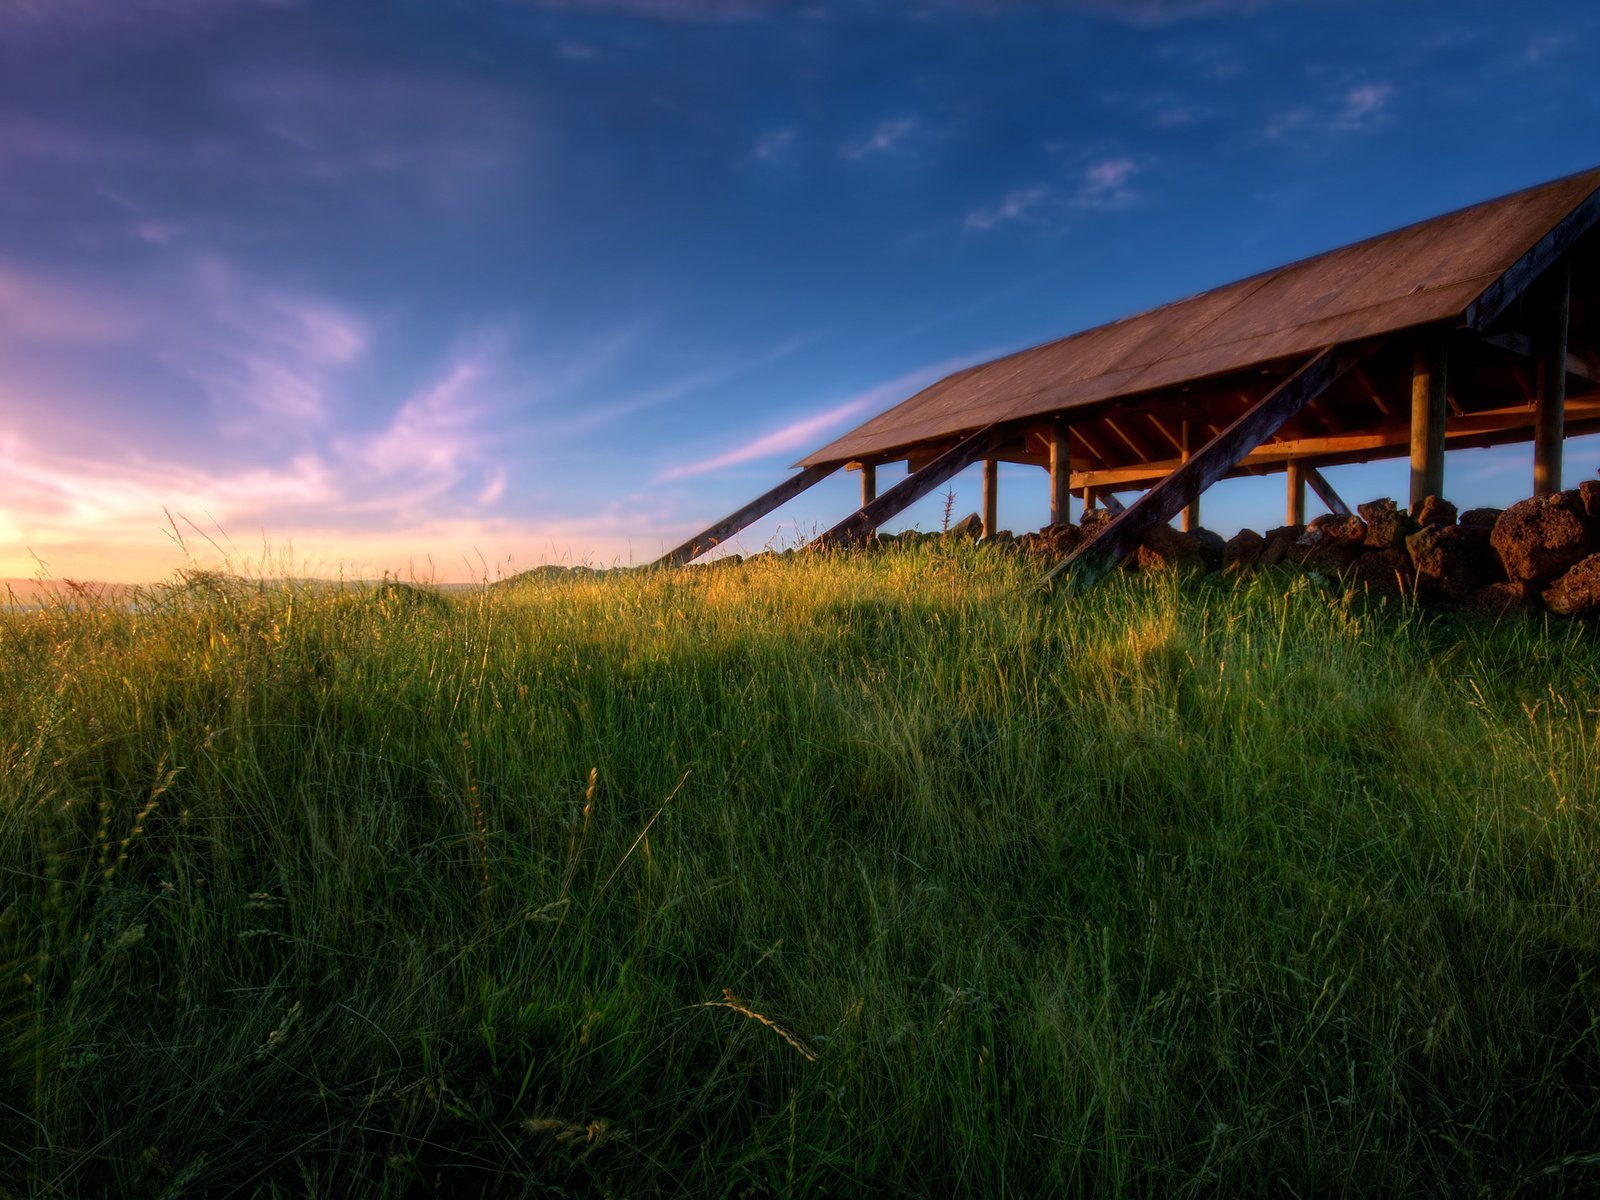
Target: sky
(449,289)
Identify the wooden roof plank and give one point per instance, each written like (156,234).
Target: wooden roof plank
(1475,261)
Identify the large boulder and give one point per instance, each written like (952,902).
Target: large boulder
(1332,543)
(1211,547)
(1589,497)
(1495,600)
(1542,537)
(1167,548)
(1387,572)
(1453,560)
(1094,520)
(1243,550)
(1481,516)
(1282,545)
(1436,510)
(1057,540)
(1388,525)
(970,526)
(1577,592)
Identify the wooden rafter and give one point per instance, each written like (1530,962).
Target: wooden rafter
(1510,286)
(1489,428)
(1161,503)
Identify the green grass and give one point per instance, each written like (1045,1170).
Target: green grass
(1177,888)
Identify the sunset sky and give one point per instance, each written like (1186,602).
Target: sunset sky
(457,287)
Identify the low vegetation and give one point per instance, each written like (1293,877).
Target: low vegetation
(814,875)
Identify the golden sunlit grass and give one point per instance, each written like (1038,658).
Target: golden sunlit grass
(816,875)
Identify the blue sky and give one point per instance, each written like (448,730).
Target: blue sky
(462,286)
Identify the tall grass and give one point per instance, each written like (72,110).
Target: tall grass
(805,876)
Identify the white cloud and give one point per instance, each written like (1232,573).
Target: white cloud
(887,137)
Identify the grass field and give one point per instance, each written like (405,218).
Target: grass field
(808,876)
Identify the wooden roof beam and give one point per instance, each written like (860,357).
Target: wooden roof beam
(1101,553)
(1464,432)
(1494,301)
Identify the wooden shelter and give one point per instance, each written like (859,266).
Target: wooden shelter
(1475,328)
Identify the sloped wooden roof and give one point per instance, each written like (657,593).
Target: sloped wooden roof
(1422,274)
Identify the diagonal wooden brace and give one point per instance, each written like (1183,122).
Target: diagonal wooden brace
(737,520)
(858,526)
(1101,553)
(1325,492)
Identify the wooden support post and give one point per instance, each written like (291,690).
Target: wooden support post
(1295,511)
(1550,402)
(1427,419)
(860,524)
(739,518)
(1088,499)
(991,497)
(1325,492)
(1113,505)
(869,483)
(1191,512)
(1210,463)
(1060,475)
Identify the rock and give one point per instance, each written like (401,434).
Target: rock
(1543,537)
(1329,529)
(1243,550)
(1060,539)
(1000,537)
(970,526)
(1211,547)
(1495,600)
(1095,520)
(1332,543)
(1453,560)
(1167,548)
(1589,496)
(1388,526)
(1436,510)
(1576,593)
(1481,516)
(1387,572)
(1281,545)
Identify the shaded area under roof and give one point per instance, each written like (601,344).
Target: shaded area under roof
(1419,275)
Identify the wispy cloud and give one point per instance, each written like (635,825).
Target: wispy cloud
(1019,205)
(1105,184)
(667,10)
(1359,109)
(265,356)
(601,415)
(442,135)
(38,308)
(808,432)
(887,137)
(775,146)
